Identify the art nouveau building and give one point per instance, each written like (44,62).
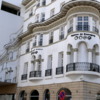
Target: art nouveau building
(59,50)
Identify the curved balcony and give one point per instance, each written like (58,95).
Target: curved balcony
(83,67)
(83,28)
(35,75)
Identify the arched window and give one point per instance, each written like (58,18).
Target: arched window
(47,94)
(34,95)
(64,94)
(98,96)
(82,52)
(22,95)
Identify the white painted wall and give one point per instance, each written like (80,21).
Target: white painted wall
(9,24)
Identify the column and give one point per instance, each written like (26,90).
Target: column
(68,57)
(97,58)
(90,55)
(75,55)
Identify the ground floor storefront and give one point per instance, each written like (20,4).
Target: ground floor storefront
(8,91)
(61,91)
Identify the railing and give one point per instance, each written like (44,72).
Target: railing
(24,77)
(35,74)
(61,36)
(83,66)
(59,70)
(82,27)
(8,80)
(70,29)
(48,72)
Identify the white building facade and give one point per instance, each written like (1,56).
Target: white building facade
(58,52)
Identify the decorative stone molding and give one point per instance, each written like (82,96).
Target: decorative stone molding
(75,50)
(97,53)
(89,50)
(68,53)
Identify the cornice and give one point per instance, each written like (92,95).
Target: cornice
(64,10)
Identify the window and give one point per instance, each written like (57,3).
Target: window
(42,17)
(11,56)
(49,66)
(60,59)
(51,38)
(61,33)
(31,13)
(38,3)
(70,26)
(43,2)
(40,40)
(25,68)
(34,41)
(52,12)
(37,18)
(95,25)
(82,23)
(27,47)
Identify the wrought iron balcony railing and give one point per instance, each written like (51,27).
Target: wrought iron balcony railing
(59,70)
(48,72)
(8,80)
(24,77)
(83,66)
(35,74)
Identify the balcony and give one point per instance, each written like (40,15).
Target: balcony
(8,80)
(24,77)
(59,70)
(83,66)
(48,72)
(35,74)
(83,28)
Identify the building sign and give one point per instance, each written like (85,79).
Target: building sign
(36,51)
(83,36)
(62,95)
